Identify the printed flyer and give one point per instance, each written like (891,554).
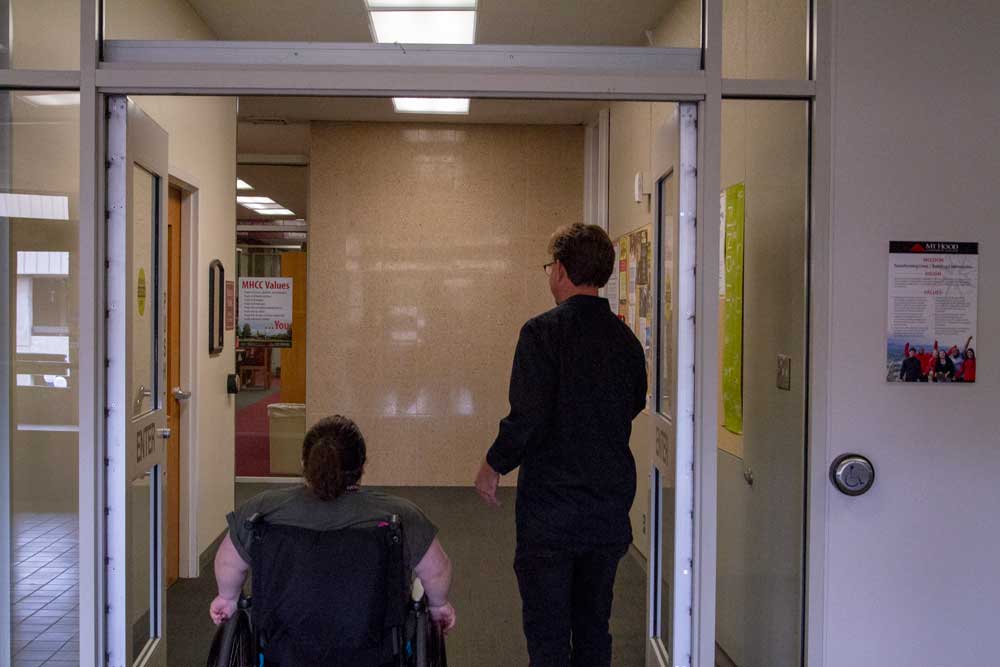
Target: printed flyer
(933,306)
(265,318)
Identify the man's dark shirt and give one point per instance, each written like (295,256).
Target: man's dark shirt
(910,372)
(578,381)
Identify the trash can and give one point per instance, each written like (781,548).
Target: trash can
(286,429)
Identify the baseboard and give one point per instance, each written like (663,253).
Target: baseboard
(722,658)
(268,480)
(207,557)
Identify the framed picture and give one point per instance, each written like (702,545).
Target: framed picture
(216,306)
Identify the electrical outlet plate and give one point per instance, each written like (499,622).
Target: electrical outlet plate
(784,375)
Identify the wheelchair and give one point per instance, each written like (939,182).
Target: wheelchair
(333,599)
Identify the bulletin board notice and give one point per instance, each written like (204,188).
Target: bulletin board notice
(635,289)
(733,208)
(933,307)
(265,312)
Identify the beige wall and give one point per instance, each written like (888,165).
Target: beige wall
(425,254)
(643,139)
(202,155)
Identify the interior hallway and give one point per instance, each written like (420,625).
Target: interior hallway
(480,542)
(252,435)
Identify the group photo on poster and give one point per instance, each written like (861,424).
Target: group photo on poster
(933,303)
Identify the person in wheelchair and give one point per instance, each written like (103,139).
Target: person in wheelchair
(331,499)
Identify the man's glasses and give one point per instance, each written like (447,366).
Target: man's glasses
(547,268)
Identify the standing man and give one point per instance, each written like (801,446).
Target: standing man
(578,381)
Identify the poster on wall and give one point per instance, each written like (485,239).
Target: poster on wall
(634,252)
(933,306)
(265,318)
(734,202)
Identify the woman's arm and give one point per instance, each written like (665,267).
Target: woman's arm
(434,572)
(230,572)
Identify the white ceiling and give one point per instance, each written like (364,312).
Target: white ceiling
(540,22)
(289,186)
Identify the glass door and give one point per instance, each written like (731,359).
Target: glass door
(670,600)
(137,432)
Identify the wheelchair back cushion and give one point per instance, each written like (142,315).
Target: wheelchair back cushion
(327,598)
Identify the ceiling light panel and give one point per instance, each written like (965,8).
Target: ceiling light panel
(421,4)
(423,27)
(277,211)
(444,105)
(54,99)
(243,185)
(243,199)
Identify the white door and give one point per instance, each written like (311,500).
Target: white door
(670,604)
(137,430)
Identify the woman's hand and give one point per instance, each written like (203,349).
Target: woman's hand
(443,615)
(222,610)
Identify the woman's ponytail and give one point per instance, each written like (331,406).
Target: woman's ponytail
(333,457)
(322,472)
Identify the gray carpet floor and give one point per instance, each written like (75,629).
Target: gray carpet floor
(480,543)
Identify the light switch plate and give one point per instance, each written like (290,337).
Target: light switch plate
(784,377)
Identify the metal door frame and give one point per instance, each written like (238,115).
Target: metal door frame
(133,140)
(425,74)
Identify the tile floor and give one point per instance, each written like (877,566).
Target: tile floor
(46,590)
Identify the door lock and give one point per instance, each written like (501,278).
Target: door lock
(180,394)
(164,433)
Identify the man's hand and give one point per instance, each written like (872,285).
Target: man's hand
(222,610)
(443,615)
(487,482)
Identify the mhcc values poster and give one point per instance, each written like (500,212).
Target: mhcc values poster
(933,303)
(265,312)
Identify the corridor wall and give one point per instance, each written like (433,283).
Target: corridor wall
(426,246)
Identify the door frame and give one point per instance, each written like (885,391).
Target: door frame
(134,142)
(189,565)
(94,78)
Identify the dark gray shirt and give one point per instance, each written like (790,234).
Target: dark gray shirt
(298,507)
(578,381)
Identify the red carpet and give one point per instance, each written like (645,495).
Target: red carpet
(252,440)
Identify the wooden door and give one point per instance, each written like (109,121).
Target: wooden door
(173,490)
(293,359)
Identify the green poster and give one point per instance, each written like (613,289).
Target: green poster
(732,322)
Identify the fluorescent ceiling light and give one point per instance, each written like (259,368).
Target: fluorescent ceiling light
(421,4)
(420,27)
(38,207)
(243,185)
(42,263)
(445,105)
(54,99)
(243,199)
(277,211)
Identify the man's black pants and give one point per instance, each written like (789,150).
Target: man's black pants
(566,595)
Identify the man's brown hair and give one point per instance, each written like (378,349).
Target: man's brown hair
(585,251)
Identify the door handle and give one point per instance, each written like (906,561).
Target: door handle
(180,394)
(748,475)
(141,394)
(164,433)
